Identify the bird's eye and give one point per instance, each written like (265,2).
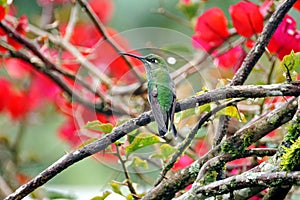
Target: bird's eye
(153,60)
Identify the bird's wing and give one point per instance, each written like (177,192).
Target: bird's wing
(157,112)
(172,113)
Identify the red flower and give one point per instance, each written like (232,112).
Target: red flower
(83,35)
(17,68)
(201,147)
(68,132)
(3,50)
(246,18)
(272,103)
(238,165)
(103,55)
(22,178)
(232,58)
(285,38)
(18,104)
(186,2)
(297,5)
(183,162)
(2,12)
(103,9)
(41,90)
(4,93)
(121,71)
(211,29)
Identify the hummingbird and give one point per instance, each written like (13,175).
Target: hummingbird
(161,92)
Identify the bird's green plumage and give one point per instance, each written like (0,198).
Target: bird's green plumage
(161,91)
(161,80)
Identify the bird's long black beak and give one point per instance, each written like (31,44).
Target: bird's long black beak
(132,55)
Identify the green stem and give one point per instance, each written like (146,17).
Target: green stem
(126,173)
(17,143)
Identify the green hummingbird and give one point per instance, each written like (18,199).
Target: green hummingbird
(161,91)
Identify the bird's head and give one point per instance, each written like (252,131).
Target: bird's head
(151,61)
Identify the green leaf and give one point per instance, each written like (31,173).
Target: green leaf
(104,195)
(204,108)
(129,197)
(291,62)
(167,150)
(232,111)
(3,2)
(115,188)
(201,133)
(138,162)
(132,135)
(53,194)
(183,114)
(142,140)
(98,126)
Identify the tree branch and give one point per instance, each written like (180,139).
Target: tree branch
(226,157)
(48,68)
(56,78)
(244,180)
(62,42)
(146,117)
(256,52)
(244,137)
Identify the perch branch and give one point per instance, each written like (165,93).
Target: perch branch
(144,119)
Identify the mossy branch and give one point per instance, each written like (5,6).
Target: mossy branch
(247,179)
(240,140)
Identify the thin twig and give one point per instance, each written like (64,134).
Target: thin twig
(72,22)
(189,138)
(52,66)
(170,15)
(196,63)
(64,44)
(31,46)
(224,158)
(41,56)
(222,129)
(126,173)
(61,83)
(4,187)
(15,148)
(106,37)
(247,179)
